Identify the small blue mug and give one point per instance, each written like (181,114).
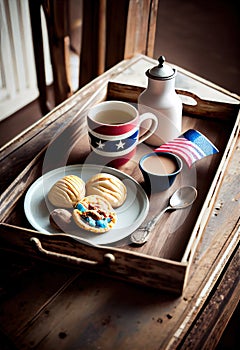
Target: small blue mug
(159,170)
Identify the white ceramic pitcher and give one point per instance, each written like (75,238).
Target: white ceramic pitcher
(161,99)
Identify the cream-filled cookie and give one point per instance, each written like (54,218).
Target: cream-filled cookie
(93,213)
(66,192)
(109,187)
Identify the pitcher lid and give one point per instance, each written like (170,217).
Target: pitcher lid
(162,71)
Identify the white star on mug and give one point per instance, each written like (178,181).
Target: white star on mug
(100,144)
(120,144)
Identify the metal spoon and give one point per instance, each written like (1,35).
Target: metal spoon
(181,198)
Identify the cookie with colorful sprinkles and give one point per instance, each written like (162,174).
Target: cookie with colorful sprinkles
(95,214)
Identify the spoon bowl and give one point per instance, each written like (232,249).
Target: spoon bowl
(182,198)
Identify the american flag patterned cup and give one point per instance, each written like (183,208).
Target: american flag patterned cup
(113,129)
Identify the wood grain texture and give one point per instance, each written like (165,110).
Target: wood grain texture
(141,28)
(135,32)
(216,313)
(138,268)
(220,242)
(22,278)
(57,29)
(44,305)
(22,149)
(170,237)
(91,56)
(203,109)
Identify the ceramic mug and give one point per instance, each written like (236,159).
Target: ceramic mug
(160,170)
(113,129)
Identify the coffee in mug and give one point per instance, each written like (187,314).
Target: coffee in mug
(159,170)
(113,129)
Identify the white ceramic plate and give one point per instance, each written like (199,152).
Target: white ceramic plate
(130,215)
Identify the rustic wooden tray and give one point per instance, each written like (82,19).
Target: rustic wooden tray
(165,260)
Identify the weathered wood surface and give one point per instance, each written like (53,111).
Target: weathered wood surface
(170,236)
(22,149)
(62,250)
(215,315)
(45,307)
(135,32)
(203,108)
(141,28)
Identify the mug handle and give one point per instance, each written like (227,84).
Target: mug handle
(152,128)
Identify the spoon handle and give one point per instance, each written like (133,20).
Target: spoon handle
(141,236)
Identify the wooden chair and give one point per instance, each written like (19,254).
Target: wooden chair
(57,25)
(111,31)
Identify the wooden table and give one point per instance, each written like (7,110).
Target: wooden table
(45,306)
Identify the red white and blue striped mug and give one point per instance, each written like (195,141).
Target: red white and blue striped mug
(113,129)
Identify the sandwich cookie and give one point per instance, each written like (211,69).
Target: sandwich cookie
(94,213)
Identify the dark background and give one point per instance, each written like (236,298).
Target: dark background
(202,37)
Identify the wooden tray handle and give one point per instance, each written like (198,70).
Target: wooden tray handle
(107,258)
(201,108)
